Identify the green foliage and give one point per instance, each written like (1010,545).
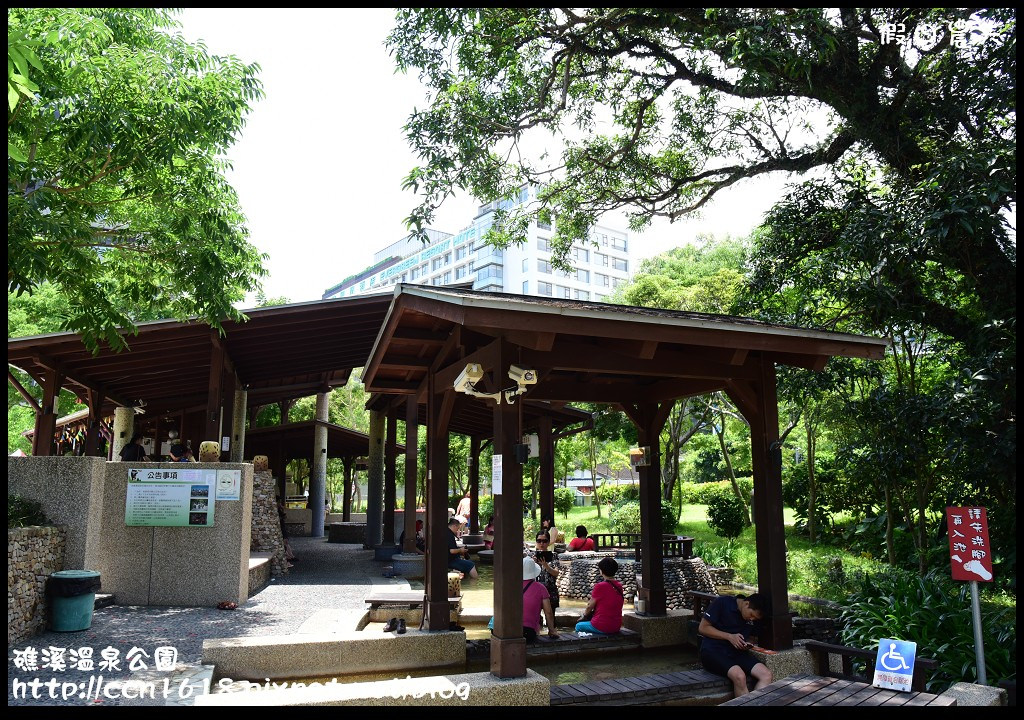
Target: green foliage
(706,493)
(725,516)
(669,522)
(485,508)
(716,554)
(565,499)
(23,512)
(936,614)
(626,517)
(116,188)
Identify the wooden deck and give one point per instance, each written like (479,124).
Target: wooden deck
(568,644)
(414,599)
(805,689)
(642,690)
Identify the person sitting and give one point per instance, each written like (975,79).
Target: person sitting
(549,566)
(727,628)
(457,559)
(489,534)
(535,600)
(179,453)
(421,544)
(133,451)
(581,542)
(603,615)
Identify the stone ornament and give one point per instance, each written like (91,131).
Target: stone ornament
(260,463)
(209,451)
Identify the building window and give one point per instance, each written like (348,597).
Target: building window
(543,288)
(471,263)
(620,264)
(562,292)
(491,271)
(599,298)
(581,255)
(600,259)
(544,244)
(619,243)
(436,280)
(583,276)
(460,252)
(414,273)
(423,269)
(460,272)
(582,295)
(601,280)
(448,258)
(447,277)
(543,266)
(403,278)
(526,264)
(543,225)
(524,195)
(526,287)
(617,282)
(435,264)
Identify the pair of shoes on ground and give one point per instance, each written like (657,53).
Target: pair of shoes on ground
(455,626)
(395,625)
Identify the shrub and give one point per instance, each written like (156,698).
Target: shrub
(22,512)
(715,555)
(725,516)
(485,508)
(669,519)
(626,518)
(565,500)
(705,493)
(936,614)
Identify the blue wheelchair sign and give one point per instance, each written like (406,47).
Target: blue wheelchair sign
(894,665)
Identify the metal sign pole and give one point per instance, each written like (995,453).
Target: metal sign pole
(979,645)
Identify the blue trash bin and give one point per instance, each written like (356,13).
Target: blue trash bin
(72,598)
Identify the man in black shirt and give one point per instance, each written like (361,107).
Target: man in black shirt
(727,627)
(457,553)
(133,451)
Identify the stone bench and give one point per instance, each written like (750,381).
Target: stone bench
(259,571)
(346,532)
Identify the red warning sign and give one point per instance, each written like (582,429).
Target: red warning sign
(969,551)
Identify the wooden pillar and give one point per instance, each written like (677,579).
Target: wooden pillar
(474,484)
(650,419)
(546,477)
(346,498)
(46,418)
(92,433)
(375,480)
(439,404)
(766,457)
(411,456)
(279,463)
(390,455)
(508,646)
(212,422)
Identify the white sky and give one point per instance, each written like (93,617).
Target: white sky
(320,163)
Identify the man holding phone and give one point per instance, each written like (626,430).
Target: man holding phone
(727,628)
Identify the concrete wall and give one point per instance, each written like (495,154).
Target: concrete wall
(70,489)
(172,566)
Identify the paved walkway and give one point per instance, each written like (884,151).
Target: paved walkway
(328,582)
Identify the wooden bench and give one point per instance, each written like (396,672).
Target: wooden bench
(568,644)
(820,653)
(642,689)
(414,600)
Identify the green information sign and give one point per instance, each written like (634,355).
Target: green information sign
(159,497)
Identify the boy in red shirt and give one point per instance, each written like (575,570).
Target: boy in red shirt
(604,611)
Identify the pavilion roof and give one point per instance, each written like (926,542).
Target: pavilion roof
(296,440)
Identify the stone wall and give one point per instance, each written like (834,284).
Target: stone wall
(33,553)
(579,573)
(266,524)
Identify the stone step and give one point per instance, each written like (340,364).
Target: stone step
(103,600)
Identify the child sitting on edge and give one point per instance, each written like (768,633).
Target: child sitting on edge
(604,611)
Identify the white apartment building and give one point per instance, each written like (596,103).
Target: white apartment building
(448,259)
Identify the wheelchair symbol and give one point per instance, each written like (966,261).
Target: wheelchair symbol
(893,656)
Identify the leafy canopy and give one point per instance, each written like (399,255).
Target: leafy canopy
(116,192)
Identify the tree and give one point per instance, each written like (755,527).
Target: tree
(116,189)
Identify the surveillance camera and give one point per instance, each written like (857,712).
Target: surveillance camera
(522,376)
(470,375)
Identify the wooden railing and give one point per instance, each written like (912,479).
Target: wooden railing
(820,653)
(671,545)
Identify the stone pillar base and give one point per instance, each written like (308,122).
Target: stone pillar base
(409,565)
(508,657)
(659,631)
(385,552)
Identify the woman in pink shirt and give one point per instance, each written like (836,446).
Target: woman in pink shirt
(604,611)
(535,599)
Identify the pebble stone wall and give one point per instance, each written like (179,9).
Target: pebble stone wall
(579,574)
(33,553)
(266,525)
